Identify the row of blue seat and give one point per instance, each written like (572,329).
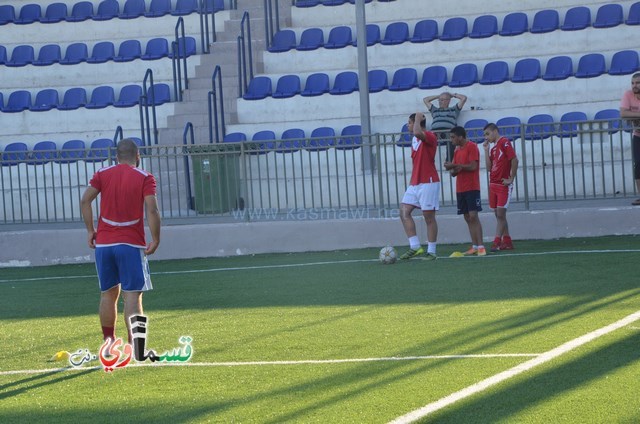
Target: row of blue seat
(312,3)
(74,98)
(102,52)
(579,17)
(538,126)
(295,138)
(71,151)
(107,9)
(526,70)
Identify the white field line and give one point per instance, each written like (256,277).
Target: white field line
(266,363)
(244,268)
(518,369)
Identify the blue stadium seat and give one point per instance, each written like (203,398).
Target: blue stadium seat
(526,70)
(373,35)
(540,126)
(509,127)
(292,140)
(265,142)
(185,45)
(396,33)
(74,98)
(132,9)
(366,1)
(454,29)
(234,137)
(43,152)
(632,19)
(406,137)
(15,154)
(311,39)
(48,55)
(156,48)
(159,94)
(107,9)
(495,73)
(29,13)
(484,26)
(287,86)
(558,68)
(307,3)
(1,102)
(101,150)
(101,97)
(425,30)
(577,18)
(18,101)
(545,21)
(45,100)
(433,77)
(259,88)
(569,123)
(72,151)
(21,56)
(608,15)
(80,11)
(129,50)
(514,24)
(213,6)
(404,79)
(339,37)
(463,75)
(378,80)
(129,96)
(3,55)
(283,41)
(475,129)
(591,65)
(345,82)
(7,14)
(316,85)
(624,62)
(56,12)
(322,138)
(75,53)
(158,8)
(185,7)
(333,2)
(103,51)
(350,138)
(612,118)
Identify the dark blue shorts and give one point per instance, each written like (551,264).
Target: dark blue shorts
(469,201)
(125,265)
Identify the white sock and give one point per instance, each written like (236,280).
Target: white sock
(475,246)
(431,247)
(414,242)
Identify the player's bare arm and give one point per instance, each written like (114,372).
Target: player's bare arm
(86,210)
(154,222)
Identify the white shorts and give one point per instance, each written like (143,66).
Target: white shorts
(424,196)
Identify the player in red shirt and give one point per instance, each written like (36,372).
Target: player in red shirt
(119,242)
(466,168)
(424,189)
(502,164)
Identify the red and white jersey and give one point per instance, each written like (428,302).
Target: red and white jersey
(464,155)
(501,154)
(423,155)
(122,191)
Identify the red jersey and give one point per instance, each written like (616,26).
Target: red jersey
(501,155)
(463,155)
(122,191)
(423,155)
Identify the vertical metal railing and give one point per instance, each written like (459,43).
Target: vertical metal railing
(179,60)
(245,65)
(147,102)
(118,135)
(188,131)
(271,20)
(215,96)
(205,39)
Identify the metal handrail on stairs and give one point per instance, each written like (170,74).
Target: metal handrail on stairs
(213,97)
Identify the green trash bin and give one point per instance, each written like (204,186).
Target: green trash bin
(216,174)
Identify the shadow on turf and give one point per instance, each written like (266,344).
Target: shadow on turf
(513,398)
(40,380)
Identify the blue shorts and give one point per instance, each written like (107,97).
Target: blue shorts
(125,265)
(469,201)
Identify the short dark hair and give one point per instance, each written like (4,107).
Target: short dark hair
(127,150)
(459,131)
(423,123)
(636,75)
(491,127)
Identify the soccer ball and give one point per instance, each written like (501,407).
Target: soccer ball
(388,255)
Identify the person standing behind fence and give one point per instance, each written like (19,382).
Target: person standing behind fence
(466,168)
(630,109)
(502,165)
(120,245)
(444,116)
(424,189)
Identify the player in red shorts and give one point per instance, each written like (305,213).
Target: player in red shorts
(502,164)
